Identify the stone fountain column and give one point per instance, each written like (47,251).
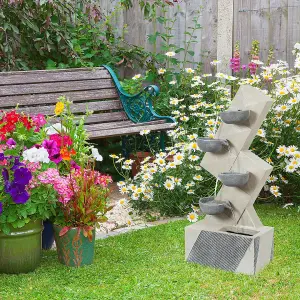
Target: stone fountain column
(232,237)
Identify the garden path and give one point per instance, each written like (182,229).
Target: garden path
(119,217)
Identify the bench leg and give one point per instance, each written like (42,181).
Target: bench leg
(162,141)
(125,151)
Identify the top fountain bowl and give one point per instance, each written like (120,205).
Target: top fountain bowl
(235,116)
(212,145)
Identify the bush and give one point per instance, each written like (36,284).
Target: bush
(57,34)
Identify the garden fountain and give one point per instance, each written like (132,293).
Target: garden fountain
(231,236)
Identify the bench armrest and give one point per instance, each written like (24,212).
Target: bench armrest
(139,108)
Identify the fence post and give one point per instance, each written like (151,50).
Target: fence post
(225,35)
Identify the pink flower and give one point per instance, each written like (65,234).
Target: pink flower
(253,67)
(235,64)
(61,141)
(39,121)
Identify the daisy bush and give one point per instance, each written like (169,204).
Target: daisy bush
(172,181)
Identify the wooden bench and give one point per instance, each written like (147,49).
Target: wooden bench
(116,113)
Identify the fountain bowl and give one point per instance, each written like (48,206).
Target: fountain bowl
(212,145)
(235,116)
(210,206)
(234,179)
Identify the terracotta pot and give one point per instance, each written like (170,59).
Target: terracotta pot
(138,157)
(20,250)
(74,250)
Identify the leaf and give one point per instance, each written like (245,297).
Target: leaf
(191,53)
(64,230)
(109,208)
(5,229)
(51,64)
(102,219)
(20,223)
(11,218)
(15,29)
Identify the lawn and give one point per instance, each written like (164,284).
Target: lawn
(149,264)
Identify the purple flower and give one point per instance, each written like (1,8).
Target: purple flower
(2,157)
(244,67)
(74,165)
(5,174)
(17,163)
(11,143)
(1,208)
(56,158)
(18,193)
(22,176)
(50,146)
(53,150)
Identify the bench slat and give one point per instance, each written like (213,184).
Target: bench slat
(136,128)
(123,124)
(11,101)
(53,87)
(100,118)
(78,108)
(52,76)
(106,117)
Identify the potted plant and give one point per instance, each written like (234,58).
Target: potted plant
(25,202)
(74,228)
(82,191)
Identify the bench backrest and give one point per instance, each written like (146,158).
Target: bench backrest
(37,92)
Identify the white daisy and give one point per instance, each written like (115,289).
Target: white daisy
(170,54)
(192,217)
(144,132)
(137,76)
(169,185)
(198,178)
(161,71)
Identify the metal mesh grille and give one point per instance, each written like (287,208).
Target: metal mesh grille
(272,250)
(219,250)
(256,249)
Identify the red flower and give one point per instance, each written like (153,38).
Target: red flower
(61,141)
(27,122)
(11,117)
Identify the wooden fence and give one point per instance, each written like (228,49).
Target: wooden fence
(274,23)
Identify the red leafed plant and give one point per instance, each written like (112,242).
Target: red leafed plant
(88,204)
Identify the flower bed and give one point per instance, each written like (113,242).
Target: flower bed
(48,173)
(196,101)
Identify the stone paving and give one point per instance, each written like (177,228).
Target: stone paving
(118,218)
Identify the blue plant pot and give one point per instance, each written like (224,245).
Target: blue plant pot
(47,235)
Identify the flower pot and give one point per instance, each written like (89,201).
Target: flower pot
(235,116)
(74,250)
(47,235)
(212,145)
(138,158)
(234,179)
(210,206)
(20,250)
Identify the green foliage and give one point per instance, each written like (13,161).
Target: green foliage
(40,206)
(149,264)
(58,34)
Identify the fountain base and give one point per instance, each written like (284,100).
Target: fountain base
(238,249)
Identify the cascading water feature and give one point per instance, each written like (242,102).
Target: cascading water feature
(232,237)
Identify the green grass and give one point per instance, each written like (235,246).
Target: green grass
(149,264)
